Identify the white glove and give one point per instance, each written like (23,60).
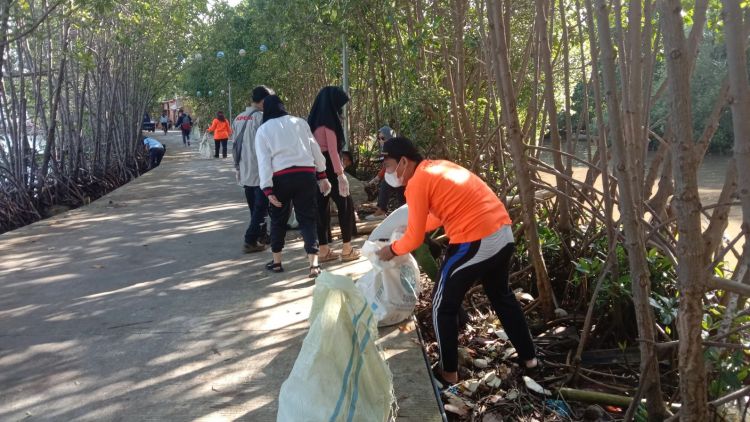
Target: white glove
(343,185)
(325,186)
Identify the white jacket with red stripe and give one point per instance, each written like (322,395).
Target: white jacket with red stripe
(286,142)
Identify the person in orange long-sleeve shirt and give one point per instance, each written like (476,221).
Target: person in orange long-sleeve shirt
(442,193)
(222,131)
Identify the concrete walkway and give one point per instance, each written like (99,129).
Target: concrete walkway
(141,306)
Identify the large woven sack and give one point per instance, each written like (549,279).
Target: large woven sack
(340,374)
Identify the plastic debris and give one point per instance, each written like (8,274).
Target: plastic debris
(559,407)
(535,387)
(501,334)
(561,313)
(481,363)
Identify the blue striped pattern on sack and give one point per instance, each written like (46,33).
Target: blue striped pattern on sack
(345,380)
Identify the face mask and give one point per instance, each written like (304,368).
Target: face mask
(392,178)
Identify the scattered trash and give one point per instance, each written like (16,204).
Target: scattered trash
(491,380)
(523,296)
(561,313)
(462,411)
(455,404)
(508,353)
(495,399)
(535,387)
(471,385)
(481,363)
(501,334)
(464,356)
(559,407)
(503,372)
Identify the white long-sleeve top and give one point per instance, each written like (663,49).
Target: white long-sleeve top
(286,142)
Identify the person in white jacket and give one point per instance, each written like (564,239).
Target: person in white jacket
(290,165)
(244,128)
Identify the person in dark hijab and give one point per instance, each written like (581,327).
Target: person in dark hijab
(325,123)
(289,164)
(273,108)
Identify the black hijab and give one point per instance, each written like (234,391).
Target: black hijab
(325,111)
(273,108)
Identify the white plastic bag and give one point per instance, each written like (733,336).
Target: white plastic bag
(204,148)
(396,221)
(292,222)
(391,287)
(339,374)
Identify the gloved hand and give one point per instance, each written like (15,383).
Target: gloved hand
(343,185)
(374,181)
(325,186)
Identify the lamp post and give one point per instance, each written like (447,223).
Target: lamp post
(220,55)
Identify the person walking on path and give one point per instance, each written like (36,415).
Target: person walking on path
(155,151)
(290,165)
(164,121)
(325,122)
(222,131)
(245,127)
(442,193)
(185,123)
(385,191)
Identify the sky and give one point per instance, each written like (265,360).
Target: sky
(229,2)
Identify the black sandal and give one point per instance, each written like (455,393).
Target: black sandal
(275,267)
(314,271)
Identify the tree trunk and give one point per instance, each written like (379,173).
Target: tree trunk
(739,94)
(542,7)
(690,246)
(632,225)
(512,122)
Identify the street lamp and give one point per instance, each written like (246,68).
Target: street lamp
(220,55)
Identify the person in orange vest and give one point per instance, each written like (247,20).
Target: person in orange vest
(442,193)
(222,131)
